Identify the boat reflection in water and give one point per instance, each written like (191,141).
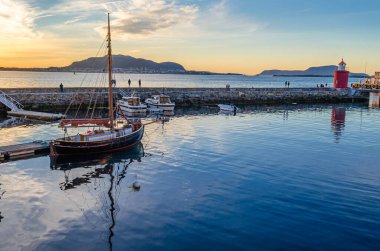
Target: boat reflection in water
(92,170)
(1,195)
(227,113)
(338,119)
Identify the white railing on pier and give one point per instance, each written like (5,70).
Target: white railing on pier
(123,93)
(9,102)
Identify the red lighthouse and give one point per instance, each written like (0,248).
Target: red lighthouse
(341,76)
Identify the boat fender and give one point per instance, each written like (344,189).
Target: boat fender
(136,186)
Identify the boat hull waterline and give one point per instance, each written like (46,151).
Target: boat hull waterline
(228,108)
(62,147)
(163,107)
(133,110)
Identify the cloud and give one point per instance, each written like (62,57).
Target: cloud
(128,17)
(17,19)
(221,21)
(144,17)
(219,9)
(74,20)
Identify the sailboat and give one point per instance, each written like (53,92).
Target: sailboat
(111,136)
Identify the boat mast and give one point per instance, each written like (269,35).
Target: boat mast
(110,96)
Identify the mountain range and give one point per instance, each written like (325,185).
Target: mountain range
(128,64)
(318,71)
(123,63)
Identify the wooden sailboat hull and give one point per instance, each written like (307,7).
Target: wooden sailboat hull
(70,162)
(62,147)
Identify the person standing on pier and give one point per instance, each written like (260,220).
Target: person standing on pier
(129,83)
(61,87)
(139,83)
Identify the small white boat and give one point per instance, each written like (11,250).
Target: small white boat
(228,108)
(161,102)
(131,106)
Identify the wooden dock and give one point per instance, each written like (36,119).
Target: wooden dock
(26,150)
(35,115)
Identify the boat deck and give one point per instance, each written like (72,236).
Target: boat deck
(25,150)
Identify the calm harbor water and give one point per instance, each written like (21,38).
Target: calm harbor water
(269,178)
(9,79)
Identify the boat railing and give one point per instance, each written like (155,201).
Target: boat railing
(123,93)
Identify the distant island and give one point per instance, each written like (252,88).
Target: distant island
(319,71)
(121,64)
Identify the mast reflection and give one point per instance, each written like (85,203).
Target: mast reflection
(338,119)
(113,166)
(2,192)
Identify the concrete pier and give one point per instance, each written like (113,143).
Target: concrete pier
(35,115)
(51,99)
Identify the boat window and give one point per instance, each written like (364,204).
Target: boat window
(163,100)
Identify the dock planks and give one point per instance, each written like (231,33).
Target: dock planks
(19,151)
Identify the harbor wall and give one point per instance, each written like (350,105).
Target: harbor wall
(52,99)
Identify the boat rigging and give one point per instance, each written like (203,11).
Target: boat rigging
(112,135)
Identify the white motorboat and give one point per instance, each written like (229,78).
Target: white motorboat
(161,102)
(131,106)
(228,108)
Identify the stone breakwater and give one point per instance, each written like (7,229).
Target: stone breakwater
(52,99)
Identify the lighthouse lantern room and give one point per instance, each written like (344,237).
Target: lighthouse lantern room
(341,76)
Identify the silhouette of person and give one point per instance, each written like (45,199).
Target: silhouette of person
(129,83)
(139,83)
(61,87)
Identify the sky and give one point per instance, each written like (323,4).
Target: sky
(240,36)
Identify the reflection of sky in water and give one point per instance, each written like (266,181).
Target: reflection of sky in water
(300,176)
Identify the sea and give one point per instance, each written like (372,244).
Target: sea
(19,79)
(285,177)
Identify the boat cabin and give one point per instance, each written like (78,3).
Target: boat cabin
(161,98)
(133,101)
(164,99)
